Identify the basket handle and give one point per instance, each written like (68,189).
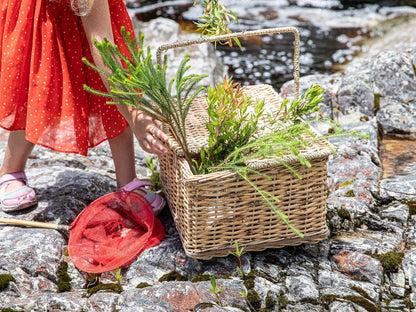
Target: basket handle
(206,39)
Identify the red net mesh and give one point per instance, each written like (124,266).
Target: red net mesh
(112,231)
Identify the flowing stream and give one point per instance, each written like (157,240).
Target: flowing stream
(332,32)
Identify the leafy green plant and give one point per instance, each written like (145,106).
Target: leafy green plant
(238,253)
(306,105)
(151,164)
(142,84)
(230,123)
(118,276)
(216,19)
(216,290)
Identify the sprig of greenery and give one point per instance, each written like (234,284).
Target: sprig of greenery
(238,253)
(216,19)
(306,105)
(118,276)
(141,84)
(216,290)
(230,123)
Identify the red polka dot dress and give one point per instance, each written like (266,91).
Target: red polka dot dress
(42,76)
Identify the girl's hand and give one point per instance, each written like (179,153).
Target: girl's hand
(148,133)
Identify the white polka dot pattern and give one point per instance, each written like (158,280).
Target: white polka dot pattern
(42,76)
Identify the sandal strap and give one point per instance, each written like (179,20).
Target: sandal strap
(136,184)
(16,176)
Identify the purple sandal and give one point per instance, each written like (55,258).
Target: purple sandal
(19,199)
(156,201)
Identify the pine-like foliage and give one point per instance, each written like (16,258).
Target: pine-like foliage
(140,83)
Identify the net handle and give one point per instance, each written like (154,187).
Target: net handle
(185,43)
(35,224)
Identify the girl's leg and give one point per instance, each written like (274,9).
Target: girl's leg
(17,152)
(122,149)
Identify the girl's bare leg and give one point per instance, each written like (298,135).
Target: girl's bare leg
(122,150)
(17,152)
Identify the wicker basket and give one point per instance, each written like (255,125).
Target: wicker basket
(212,211)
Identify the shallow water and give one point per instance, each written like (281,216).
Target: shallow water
(331,33)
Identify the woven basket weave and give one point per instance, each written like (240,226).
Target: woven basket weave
(214,210)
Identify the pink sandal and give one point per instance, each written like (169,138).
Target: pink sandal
(20,199)
(156,201)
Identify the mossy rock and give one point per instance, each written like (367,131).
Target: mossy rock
(362,302)
(201,278)
(344,214)
(254,299)
(391,261)
(269,302)
(249,280)
(111,287)
(5,280)
(412,207)
(350,193)
(173,276)
(361,291)
(143,285)
(63,278)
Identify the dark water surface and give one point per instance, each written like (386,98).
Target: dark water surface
(332,32)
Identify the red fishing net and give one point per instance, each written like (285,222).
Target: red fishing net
(112,231)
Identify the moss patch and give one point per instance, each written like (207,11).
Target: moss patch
(249,280)
(350,193)
(282,301)
(201,278)
(412,207)
(269,302)
(202,306)
(362,292)
(5,280)
(366,304)
(391,261)
(173,276)
(143,285)
(253,299)
(344,214)
(105,287)
(328,299)
(242,308)
(63,278)
(9,310)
